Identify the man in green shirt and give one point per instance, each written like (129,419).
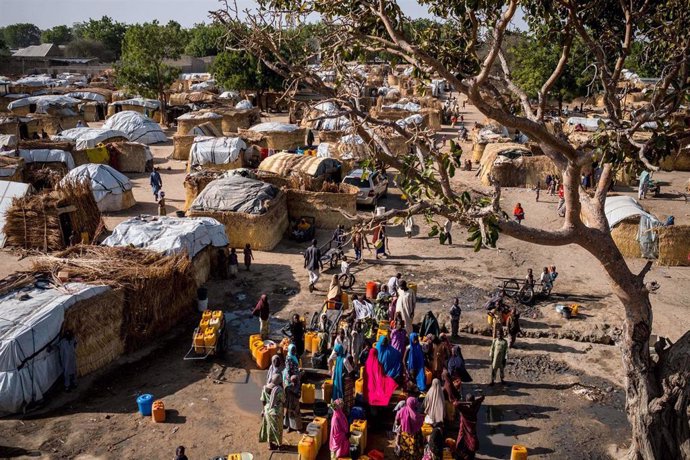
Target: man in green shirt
(498,356)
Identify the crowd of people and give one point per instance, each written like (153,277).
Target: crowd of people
(408,369)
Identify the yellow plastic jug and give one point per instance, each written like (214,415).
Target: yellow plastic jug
(308,393)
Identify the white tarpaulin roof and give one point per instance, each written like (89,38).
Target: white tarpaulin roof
(88,138)
(139,128)
(244,105)
(273,126)
(8,141)
(216,150)
(9,191)
(103,178)
(229,95)
(87,96)
(43,102)
(200,116)
(416,119)
(410,107)
(45,156)
(27,368)
(589,124)
(235,194)
(619,208)
(140,102)
(169,235)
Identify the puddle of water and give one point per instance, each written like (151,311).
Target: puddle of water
(246,395)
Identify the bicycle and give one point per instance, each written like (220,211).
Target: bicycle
(347,280)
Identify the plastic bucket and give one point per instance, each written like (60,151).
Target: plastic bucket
(380,210)
(372,289)
(145,403)
(180,213)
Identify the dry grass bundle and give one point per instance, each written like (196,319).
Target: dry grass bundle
(195,182)
(523,171)
(679,160)
(674,245)
(302,181)
(158,290)
(324,205)
(34,221)
(234,119)
(44,175)
(477,152)
(262,231)
(624,234)
(181,147)
(97,325)
(128,156)
(276,140)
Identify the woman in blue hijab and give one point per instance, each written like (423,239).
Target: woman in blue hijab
(389,357)
(338,373)
(414,361)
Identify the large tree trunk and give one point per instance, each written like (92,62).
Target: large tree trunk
(657,392)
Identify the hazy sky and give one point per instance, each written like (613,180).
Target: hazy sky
(49,13)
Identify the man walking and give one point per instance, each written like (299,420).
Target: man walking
(498,356)
(312,262)
(156,182)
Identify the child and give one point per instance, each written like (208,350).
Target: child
(344,266)
(538,189)
(248,256)
(455,312)
(161,204)
(519,213)
(234,263)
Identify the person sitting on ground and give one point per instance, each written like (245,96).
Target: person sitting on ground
(519,213)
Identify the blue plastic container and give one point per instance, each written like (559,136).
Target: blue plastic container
(145,402)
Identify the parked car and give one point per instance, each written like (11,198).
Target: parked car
(372,185)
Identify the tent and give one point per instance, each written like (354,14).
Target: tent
(32,318)
(632,227)
(151,104)
(223,151)
(111,189)
(47,156)
(8,192)
(169,235)
(88,138)
(43,103)
(137,127)
(274,126)
(235,194)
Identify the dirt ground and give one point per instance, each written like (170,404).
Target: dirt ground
(564,399)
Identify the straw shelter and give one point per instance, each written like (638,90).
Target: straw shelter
(513,165)
(674,245)
(24,127)
(194,97)
(46,162)
(54,124)
(625,233)
(196,181)
(130,157)
(186,122)
(252,211)
(276,136)
(679,160)
(182,144)
(148,107)
(46,221)
(285,164)
(216,153)
(324,205)
(111,189)
(235,119)
(159,290)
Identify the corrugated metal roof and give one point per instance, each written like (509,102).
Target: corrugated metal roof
(8,191)
(46,49)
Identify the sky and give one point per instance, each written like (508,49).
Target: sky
(49,13)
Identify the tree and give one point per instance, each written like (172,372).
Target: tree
(468,52)
(82,47)
(205,40)
(105,30)
(145,48)
(58,35)
(21,35)
(4,49)
(239,70)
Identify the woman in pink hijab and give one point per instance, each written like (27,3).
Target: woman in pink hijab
(339,442)
(410,442)
(378,387)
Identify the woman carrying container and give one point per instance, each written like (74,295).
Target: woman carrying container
(273,398)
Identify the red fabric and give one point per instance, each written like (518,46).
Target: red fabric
(468,441)
(378,387)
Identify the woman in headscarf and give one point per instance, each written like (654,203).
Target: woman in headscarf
(378,387)
(379,240)
(414,362)
(262,310)
(334,291)
(389,357)
(356,341)
(297,334)
(337,360)
(409,443)
(441,354)
(429,325)
(405,305)
(291,364)
(276,368)
(399,335)
(434,448)
(456,366)
(434,404)
(273,398)
(467,443)
(293,417)
(339,442)
(451,392)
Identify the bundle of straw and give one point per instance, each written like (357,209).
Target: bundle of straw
(45,175)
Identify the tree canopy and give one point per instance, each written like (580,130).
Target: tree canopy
(238,70)
(205,40)
(58,35)
(21,35)
(105,30)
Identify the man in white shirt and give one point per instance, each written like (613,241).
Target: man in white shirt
(393,283)
(363,309)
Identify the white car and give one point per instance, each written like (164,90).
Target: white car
(372,185)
